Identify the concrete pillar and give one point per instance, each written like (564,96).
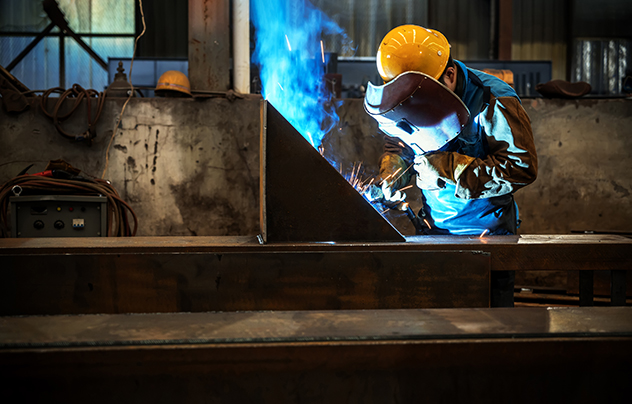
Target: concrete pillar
(209,45)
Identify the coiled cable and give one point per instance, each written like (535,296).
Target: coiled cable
(78,93)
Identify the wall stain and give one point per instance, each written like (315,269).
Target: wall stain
(217,210)
(620,189)
(253,183)
(120,147)
(153,169)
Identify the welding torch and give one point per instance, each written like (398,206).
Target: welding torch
(419,227)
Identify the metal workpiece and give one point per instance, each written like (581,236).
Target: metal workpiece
(386,356)
(244,281)
(304,198)
(313,326)
(531,252)
(196,274)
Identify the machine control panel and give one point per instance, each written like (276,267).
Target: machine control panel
(58,216)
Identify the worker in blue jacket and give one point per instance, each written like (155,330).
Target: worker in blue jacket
(463,132)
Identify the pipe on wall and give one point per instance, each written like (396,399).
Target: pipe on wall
(241,46)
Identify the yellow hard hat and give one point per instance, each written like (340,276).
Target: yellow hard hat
(175,81)
(412,48)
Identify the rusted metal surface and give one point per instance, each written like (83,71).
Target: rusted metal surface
(602,283)
(146,283)
(474,356)
(515,253)
(303,198)
(313,326)
(505,28)
(209,45)
(154,274)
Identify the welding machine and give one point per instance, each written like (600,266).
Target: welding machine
(58,216)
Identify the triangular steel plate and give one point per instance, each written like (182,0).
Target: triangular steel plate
(304,198)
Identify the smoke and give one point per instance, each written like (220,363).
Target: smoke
(291,38)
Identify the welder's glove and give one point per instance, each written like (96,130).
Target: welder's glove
(385,195)
(393,170)
(374,193)
(392,199)
(434,170)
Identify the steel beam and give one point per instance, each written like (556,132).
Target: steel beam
(532,252)
(146,283)
(209,45)
(158,274)
(304,198)
(531,355)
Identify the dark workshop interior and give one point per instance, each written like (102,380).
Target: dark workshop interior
(316,201)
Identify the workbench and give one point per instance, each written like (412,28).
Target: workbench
(200,274)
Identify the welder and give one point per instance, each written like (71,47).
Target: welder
(464,133)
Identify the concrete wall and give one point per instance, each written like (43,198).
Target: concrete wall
(585,156)
(191,167)
(186,167)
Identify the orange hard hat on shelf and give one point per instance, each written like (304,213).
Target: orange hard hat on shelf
(412,48)
(173,80)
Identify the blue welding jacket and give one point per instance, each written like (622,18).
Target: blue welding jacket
(449,214)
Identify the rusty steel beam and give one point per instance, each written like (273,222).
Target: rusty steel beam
(312,326)
(304,198)
(505,29)
(386,356)
(209,45)
(532,252)
(84,275)
(146,283)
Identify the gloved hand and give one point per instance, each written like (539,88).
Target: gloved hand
(384,194)
(393,169)
(428,176)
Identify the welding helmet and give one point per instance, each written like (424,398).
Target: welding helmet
(418,109)
(412,48)
(173,80)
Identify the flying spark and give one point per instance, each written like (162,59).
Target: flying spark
(288,43)
(483,233)
(356,180)
(322,50)
(402,173)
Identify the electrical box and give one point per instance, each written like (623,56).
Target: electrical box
(58,216)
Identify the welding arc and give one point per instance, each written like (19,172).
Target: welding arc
(119,225)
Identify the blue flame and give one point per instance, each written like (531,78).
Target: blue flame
(291,58)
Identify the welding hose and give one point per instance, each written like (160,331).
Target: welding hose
(79,93)
(117,212)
